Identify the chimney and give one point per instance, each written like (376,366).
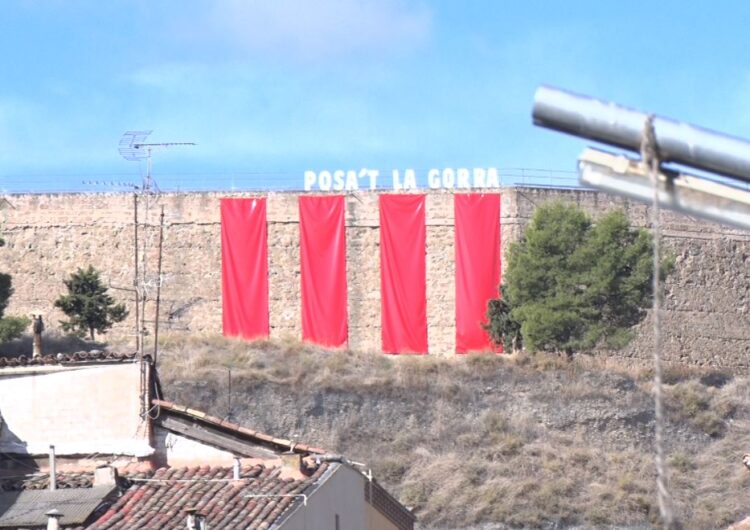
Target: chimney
(195,520)
(292,461)
(105,476)
(236,468)
(53,519)
(52,469)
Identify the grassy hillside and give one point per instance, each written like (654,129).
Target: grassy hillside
(487,441)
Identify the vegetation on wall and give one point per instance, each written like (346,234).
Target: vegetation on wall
(89,308)
(572,284)
(10,327)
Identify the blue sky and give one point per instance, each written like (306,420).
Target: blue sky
(270,89)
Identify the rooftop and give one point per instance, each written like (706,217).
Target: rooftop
(224,433)
(258,499)
(64,359)
(68,480)
(23,509)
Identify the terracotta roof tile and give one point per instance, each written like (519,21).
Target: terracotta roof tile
(81,357)
(229,425)
(257,500)
(67,480)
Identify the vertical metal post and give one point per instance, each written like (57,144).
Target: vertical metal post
(158,283)
(145,192)
(229,394)
(52,469)
(143,294)
(147,187)
(135,274)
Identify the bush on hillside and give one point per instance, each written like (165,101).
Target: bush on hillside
(572,284)
(501,326)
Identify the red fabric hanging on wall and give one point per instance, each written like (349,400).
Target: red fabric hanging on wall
(244,268)
(477,266)
(402,273)
(323,270)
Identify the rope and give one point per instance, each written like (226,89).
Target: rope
(650,159)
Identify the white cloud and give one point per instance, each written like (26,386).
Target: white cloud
(313,31)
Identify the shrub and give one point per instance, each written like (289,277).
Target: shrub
(12,327)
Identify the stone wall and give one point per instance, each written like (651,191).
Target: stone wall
(706,319)
(49,236)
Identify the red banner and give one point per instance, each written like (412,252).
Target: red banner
(402,273)
(477,266)
(323,269)
(244,267)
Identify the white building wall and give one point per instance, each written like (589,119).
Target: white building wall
(79,410)
(341,493)
(175,450)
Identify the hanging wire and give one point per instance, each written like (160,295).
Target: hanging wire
(650,159)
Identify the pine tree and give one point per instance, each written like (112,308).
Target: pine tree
(572,284)
(87,304)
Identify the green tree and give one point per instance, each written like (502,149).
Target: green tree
(87,304)
(10,327)
(572,284)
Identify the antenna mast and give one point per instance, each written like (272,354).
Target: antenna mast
(133,147)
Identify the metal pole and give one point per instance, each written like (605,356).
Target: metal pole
(229,394)
(144,263)
(619,126)
(52,469)
(135,277)
(158,283)
(147,185)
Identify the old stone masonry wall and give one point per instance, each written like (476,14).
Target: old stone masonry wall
(49,236)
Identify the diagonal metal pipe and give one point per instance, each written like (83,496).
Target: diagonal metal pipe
(619,126)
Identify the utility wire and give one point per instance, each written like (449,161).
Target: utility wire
(650,159)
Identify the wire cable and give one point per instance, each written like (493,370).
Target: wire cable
(650,159)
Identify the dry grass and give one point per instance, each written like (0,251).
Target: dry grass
(522,441)
(707,408)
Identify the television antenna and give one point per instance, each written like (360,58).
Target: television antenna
(133,147)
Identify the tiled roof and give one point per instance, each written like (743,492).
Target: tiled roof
(81,357)
(255,501)
(67,480)
(281,444)
(40,481)
(27,509)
